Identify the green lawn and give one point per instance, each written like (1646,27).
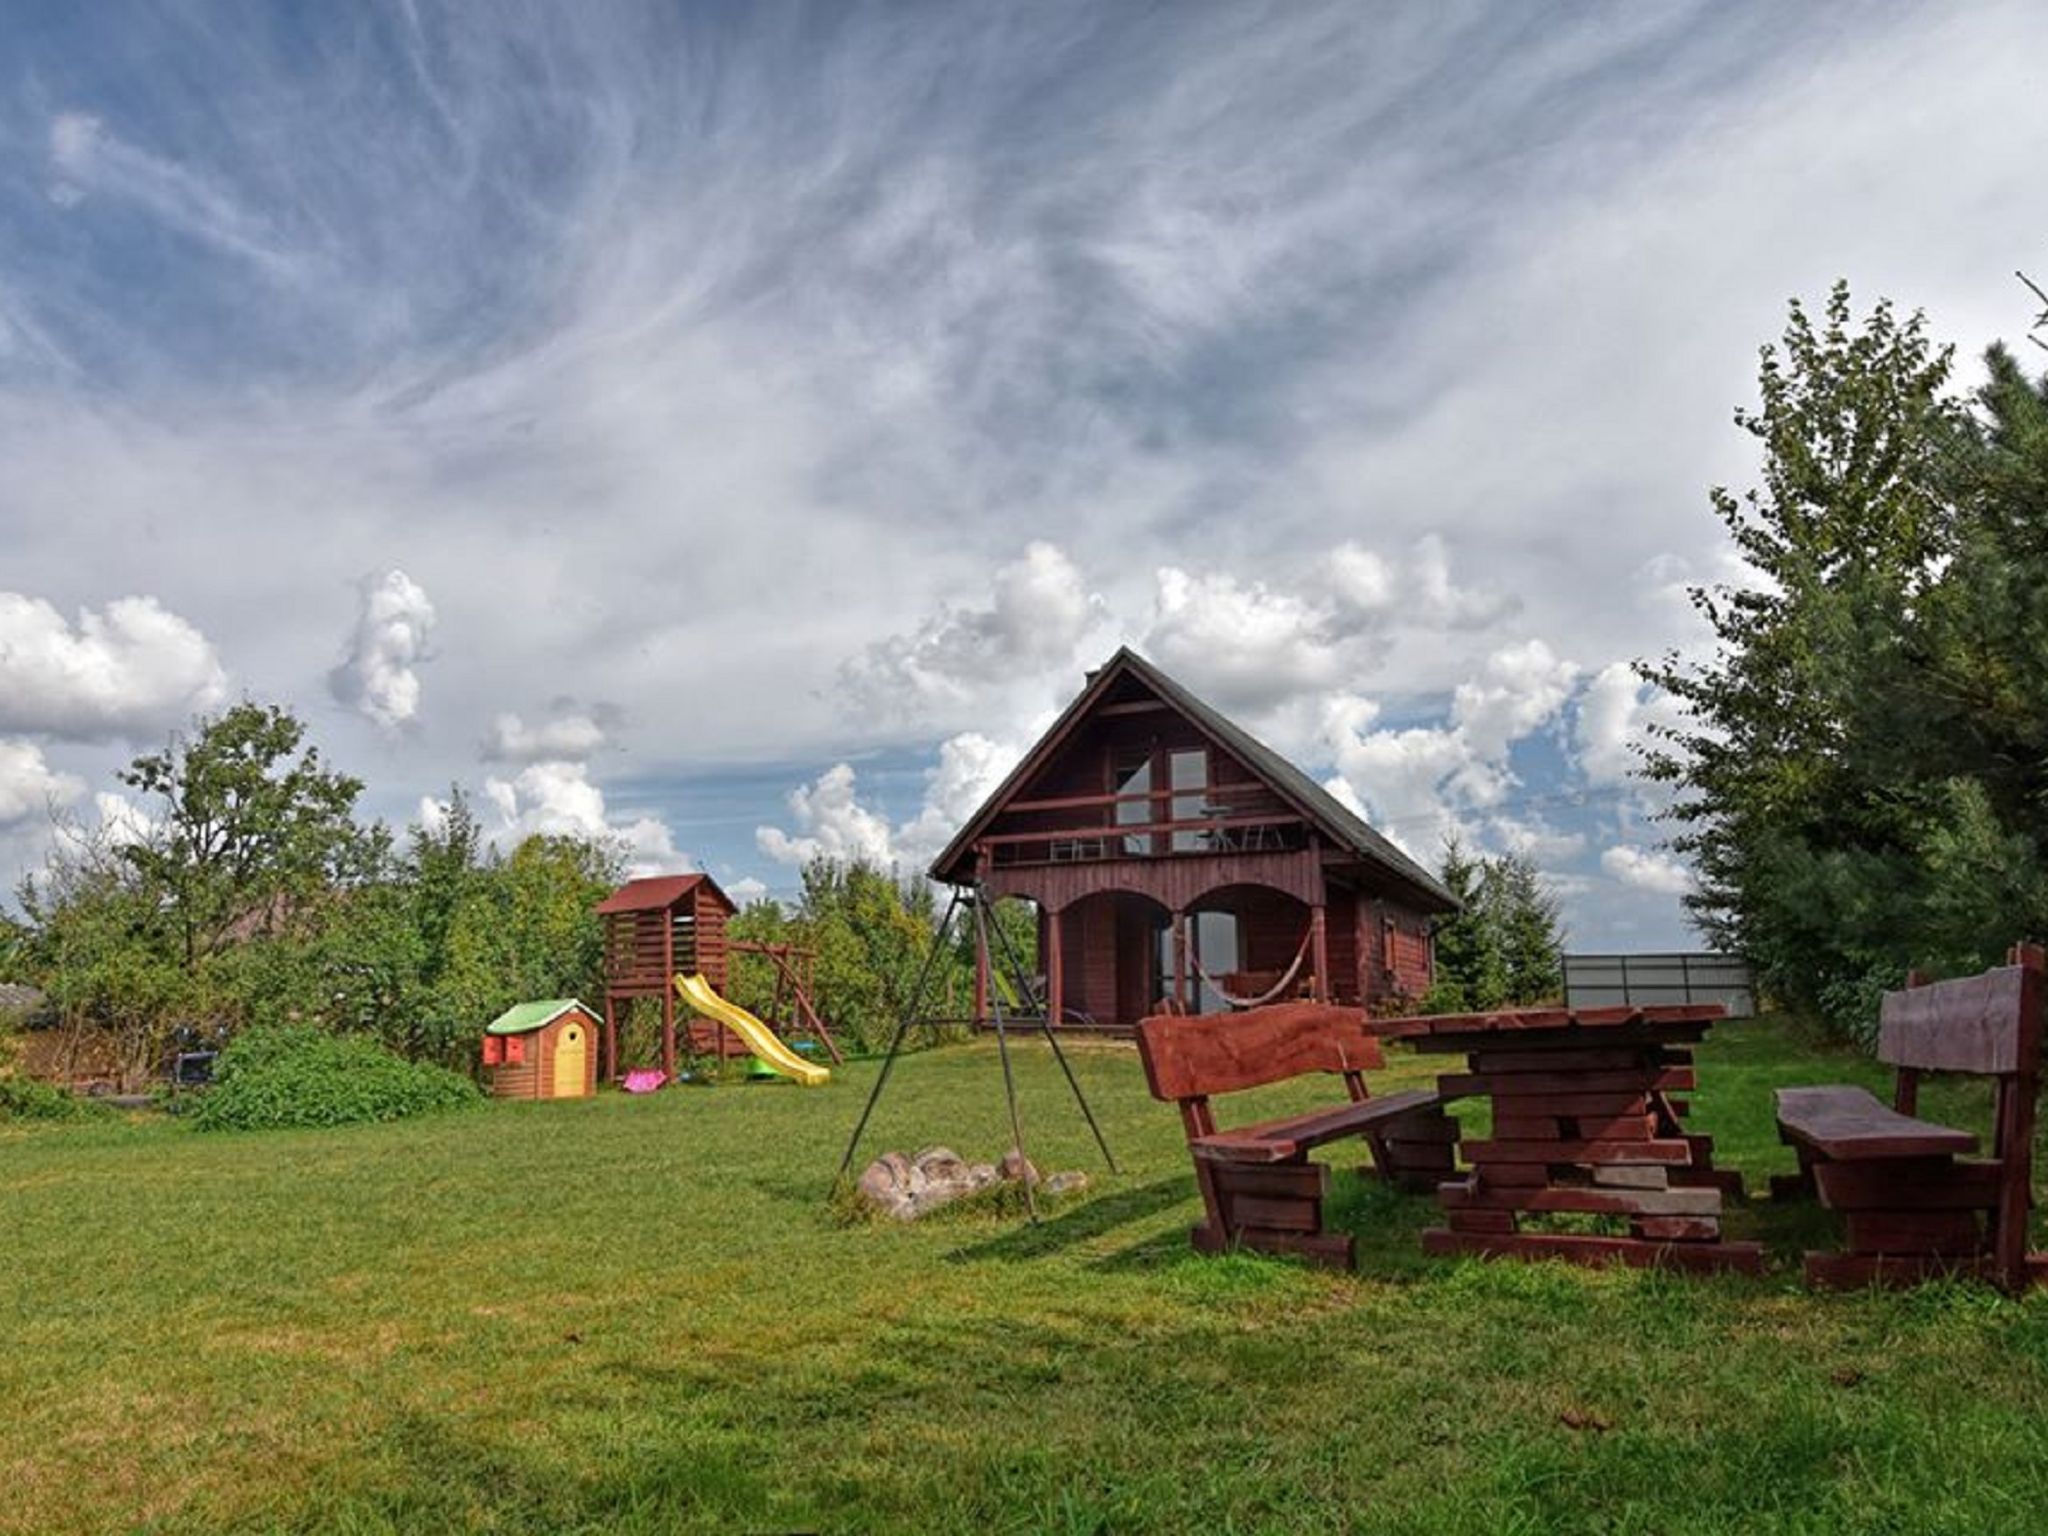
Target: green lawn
(640,1314)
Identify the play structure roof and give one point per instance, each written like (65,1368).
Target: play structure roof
(1309,798)
(659,891)
(524,1018)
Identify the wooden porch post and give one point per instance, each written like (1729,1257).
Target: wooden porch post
(668,994)
(611,1038)
(1180,960)
(1055,970)
(1359,953)
(1319,951)
(980,979)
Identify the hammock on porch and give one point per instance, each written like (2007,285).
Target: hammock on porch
(1286,977)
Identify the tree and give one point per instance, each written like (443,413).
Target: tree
(249,828)
(1862,758)
(1471,972)
(1528,919)
(102,949)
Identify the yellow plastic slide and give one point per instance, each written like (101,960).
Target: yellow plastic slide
(761,1040)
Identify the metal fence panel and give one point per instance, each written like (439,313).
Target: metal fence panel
(1660,980)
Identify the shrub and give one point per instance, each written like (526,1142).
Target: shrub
(25,1098)
(294,1075)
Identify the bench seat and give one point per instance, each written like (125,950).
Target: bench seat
(1845,1124)
(1282,1141)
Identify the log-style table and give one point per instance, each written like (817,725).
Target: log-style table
(1584,1125)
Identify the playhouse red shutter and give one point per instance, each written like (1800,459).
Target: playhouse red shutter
(494,1050)
(515,1050)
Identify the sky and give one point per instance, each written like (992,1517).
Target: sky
(739,428)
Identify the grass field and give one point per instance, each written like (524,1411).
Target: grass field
(641,1315)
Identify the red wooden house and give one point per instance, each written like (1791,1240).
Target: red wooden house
(1176,860)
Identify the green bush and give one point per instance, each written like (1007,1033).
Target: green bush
(24,1098)
(293,1075)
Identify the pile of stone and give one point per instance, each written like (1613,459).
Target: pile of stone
(908,1187)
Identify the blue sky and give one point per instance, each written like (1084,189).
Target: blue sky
(740,427)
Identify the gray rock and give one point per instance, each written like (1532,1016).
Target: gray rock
(1016,1167)
(1072,1181)
(885,1184)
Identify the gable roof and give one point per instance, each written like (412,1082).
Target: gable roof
(1337,822)
(524,1018)
(660,891)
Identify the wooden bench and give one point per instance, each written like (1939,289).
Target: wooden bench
(1914,1203)
(1258,1186)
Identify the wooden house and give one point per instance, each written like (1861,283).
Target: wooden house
(543,1050)
(1180,863)
(654,931)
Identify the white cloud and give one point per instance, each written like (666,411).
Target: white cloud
(1259,647)
(1615,714)
(569,735)
(1647,870)
(746,890)
(830,823)
(129,670)
(1039,612)
(559,800)
(89,159)
(29,786)
(1421,784)
(378,678)
(1242,644)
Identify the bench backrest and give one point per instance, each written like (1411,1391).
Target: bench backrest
(1188,1058)
(1988,1024)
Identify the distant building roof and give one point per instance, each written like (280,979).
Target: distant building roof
(659,891)
(15,998)
(1340,823)
(524,1018)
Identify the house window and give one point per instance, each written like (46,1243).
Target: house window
(1188,777)
(1133,776)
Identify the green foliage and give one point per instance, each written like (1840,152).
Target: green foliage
(249,827)
(1862,763)
(23,1098)
(871,935)
(1505,947)
(272,1077)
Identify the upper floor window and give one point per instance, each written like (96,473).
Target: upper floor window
(1188,778)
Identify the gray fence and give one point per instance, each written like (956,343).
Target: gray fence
(1651,981)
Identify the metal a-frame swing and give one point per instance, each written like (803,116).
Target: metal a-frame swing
(991,945)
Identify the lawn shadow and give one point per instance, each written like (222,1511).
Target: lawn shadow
(1078,1224)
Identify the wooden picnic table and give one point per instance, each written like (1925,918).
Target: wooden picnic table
(1586,1122)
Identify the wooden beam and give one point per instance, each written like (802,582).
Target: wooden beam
(1055,970)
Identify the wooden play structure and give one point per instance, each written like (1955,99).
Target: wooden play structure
(791,1011)
(542,1050)
(1259,1189)
(659,930)
(1180,865)
(1914,1202)
(655,930)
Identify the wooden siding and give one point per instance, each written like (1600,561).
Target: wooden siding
(1175,883)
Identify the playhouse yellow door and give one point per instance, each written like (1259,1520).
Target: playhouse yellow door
(570,1066)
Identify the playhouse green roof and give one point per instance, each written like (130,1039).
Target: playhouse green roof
(523,1018)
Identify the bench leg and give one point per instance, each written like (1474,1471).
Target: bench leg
(1416,1152)
(1905,1220)
(1269,1208)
